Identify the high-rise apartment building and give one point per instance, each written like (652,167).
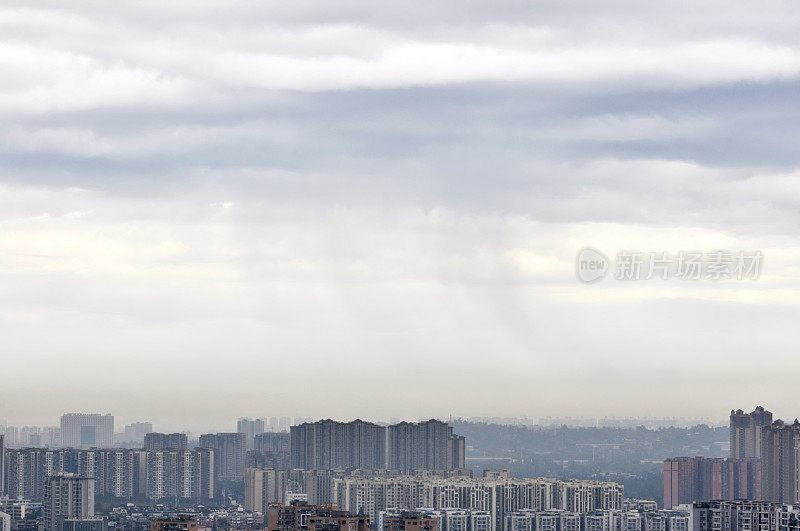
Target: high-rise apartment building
(229,453)
(282,424)
(2,464)
(165,441)
(27,469)
(780,462)
(51,437)
(67,496)
(119,473)
(250,428)
(273,442)
(175,473)
(256,481)
(265,486)
(91,464)
(11,435)
(135,433)
(327,444)
(690,479)
(81,430)
(278,460)
(114,470)
(429,445)
(745,432)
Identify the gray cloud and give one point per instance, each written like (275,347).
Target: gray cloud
(372,189)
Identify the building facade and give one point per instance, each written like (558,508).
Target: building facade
(780,460)
(273,442)
(496,496)
(745,432)
(82,430)
(229,453)
(67,496)
(250,428)
(301,516)
(744,515)
(429,445)
(328,444)
(2,464)
(186,474)
(690,479)
(166,441)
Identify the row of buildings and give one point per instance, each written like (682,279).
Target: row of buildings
(689,479)
(406,446)
(558,520)
(255,427)
(165,467)
(764,464)
(744,515)
(67,505)
(122,473)
(77,430)
(94,430)
(301,516)
(322,445)
(370,493)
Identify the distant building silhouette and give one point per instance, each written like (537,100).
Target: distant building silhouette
(165,441)
(250,428)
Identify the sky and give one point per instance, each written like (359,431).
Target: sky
(368,209)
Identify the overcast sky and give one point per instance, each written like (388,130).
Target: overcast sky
(372,209)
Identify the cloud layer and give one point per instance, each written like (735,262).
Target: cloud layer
(257,198)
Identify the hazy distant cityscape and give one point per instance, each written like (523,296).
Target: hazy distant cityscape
(133,433)
(478,474)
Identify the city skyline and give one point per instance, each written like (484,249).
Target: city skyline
(231,424)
